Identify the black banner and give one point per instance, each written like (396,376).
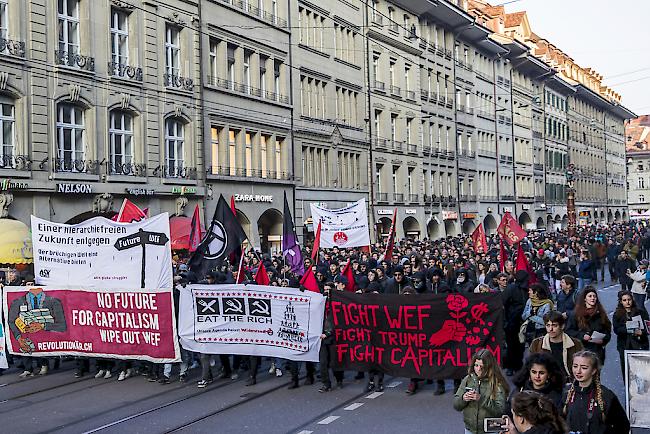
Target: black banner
(414,336)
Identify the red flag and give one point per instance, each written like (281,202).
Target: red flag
(347,272)
(240,271)
(478,237)
(308,280)
(523,264)
(503,255)
(195,230)
(129,213)
(510,230)
(391,237)
(314,253)
(261,278)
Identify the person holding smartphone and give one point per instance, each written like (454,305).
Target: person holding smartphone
(482,393)
(533,413)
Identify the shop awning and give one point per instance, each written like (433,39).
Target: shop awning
(179,229)
(15,243)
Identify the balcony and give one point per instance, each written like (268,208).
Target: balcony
(125,71)
(414,198)
(410,95)
(467,154)
(424,95)
(488,198)
(435,199)
(395,90)
(380,143)
(381,197)
(485,114)
(175,171)
(398,197)
(397,146)
(539,199)
(525,196)
(178,82)
(427,150)
(16,162)
(14,48)
(247,90)
(256,11)
(538,167)
(537,134)
(67,165)
(468,198)
(433,97)
(380,86)
(484,76)
(450,154)
(487,153)
(507,197)
(411,148)
(126,169)
(393,27)
(249,173)
(74,60)
(505,159)
(377,18)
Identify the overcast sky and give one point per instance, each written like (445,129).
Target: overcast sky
(612,37)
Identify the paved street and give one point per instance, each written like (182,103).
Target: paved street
(61,404)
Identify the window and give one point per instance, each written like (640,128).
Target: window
(120,136)
(276,79)
(394,179)
(263,154)
(391,70)
(7,125)
(377,123)
(70,138)
(409,124)
(249,154)
(641,198)
(407,73)
(172,52)
(175,147)
(214,144)
(641,183)
(4,19)
(393,128)
(68,20)
(378,177)
(263,75)
(232,151)
(119,40)
(375,67)
(247,71)
(212,79)
(231,66)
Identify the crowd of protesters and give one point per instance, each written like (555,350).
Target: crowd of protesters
(556,328)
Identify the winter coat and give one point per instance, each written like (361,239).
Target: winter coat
(638,282)
(566,303)
(514,302)
(570,346)
(621,267)
(555,396)
(475,411)
(594,323)
(629,341)
(562,268)
(587,269)
(373,286)
(440,288)
(536,317)
(392,286)
(579,419)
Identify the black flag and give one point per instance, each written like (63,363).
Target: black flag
(224,235)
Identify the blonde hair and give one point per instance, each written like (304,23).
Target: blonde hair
(596,364)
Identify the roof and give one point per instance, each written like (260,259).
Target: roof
(514,19)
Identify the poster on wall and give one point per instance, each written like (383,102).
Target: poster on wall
(101,253)
(637,388)
(253,320)
(108,323)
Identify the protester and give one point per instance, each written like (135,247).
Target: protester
(638,278)
(514,301)
(628,337)
(590,320)
(542,374)
(533,413)
(539,304)
(566,297)
(590,407)
(557,343)
(482,393)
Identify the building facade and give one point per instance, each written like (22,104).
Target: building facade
(637,133)
(451,112)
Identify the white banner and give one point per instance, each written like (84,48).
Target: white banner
(3,343)
(251,320)
(345,227)
(101,253)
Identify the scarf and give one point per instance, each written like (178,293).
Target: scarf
(536,302)
(591,311)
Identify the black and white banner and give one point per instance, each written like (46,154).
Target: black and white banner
(101,253)
(251,320)
(344,227)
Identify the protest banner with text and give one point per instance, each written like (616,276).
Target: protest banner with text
(100,253)
(416,336)
(254,320)
(109,323)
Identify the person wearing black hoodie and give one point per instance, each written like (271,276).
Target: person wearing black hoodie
(397,283)
(438,284)
(463,284)
(542,374)
(514,302)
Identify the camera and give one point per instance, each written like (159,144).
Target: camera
(493,424)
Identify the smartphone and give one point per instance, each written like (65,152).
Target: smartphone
(493,424)
(469,389)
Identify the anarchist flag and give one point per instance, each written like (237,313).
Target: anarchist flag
(224,235)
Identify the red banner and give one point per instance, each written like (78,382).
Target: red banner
(107,323)
(510,230)
(478,237)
